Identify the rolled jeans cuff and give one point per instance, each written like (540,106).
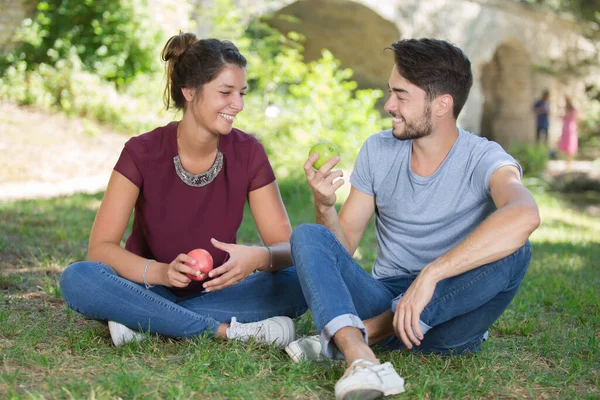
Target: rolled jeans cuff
(424,327)
(329,349)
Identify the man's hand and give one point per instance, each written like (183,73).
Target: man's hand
(409,309)
(322,182)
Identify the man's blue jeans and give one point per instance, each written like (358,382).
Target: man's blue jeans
(96,291)
(340,293)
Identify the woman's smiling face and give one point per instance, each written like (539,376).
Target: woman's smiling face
(216,105)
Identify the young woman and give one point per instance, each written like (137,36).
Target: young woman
(568,143)
(187,183)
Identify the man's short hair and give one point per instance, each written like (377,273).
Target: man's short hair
(436,66)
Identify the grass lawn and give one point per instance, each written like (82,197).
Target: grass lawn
(546,345)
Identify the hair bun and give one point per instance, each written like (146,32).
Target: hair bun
(177,45)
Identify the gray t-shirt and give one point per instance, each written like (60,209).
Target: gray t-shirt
(417,219)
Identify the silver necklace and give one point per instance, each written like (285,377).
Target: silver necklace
(203,179)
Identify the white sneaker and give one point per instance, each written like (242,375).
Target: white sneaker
(277,330)
(364,380)
(120,334)
(306,348)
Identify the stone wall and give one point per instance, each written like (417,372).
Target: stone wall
(506,42)
(12,15)
(333,25)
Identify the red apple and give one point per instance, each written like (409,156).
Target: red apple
(204,264)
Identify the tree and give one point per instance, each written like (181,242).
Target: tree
(114,39)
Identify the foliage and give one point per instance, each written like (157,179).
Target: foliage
(590,121)
(114,39)
(533,158)
(76,92)
(575,62)
(292,104)
(583,9)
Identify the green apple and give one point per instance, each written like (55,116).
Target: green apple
(326,149)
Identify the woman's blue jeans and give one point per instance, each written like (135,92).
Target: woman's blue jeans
(340,293)
(96,291)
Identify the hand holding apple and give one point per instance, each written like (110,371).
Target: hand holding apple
(204,264)
(326,150)
(322,179)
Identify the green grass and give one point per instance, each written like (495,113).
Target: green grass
(546,345)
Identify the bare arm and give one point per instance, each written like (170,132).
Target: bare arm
(499,235)
(355,216)
(273,225)
(108,229)
(356,212)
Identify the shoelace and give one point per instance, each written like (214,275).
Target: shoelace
(248,330)
(357,365)
(361,364)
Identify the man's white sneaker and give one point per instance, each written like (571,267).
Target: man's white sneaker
(364,380)
(277,330)
(306,348)
(120,334)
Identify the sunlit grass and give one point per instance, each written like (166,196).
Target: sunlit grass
(544,346)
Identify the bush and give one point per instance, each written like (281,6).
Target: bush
(114,39)
(69,88)
(590,121)
(292,104)
(533,158)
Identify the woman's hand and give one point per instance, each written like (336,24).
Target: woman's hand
(243,260)
(175,273)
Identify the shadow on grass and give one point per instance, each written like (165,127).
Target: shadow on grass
(55,229)
(544,344)
(585,201)
(564,277)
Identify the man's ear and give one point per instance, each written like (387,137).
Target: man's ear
(188,93)
(445,105)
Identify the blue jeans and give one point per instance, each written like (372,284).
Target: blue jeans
(340,293)
(96,291)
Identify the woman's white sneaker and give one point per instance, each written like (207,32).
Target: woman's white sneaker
(306,348)
(364,380)
(120,334)
(277,330)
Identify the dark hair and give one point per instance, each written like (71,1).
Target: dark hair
(191,63)
(437,67)
(545,94)
(569,103)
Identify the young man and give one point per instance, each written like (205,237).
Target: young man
(452,224)
(541,109)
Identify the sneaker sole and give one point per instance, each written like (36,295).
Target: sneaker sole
(293,350)
(392,392)
(292,333)
(119,337)
(363,394)
(367,394)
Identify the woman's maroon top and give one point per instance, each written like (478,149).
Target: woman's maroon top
(171,217)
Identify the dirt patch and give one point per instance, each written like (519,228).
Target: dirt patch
(41,147)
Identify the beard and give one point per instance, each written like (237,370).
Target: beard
(416,129)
